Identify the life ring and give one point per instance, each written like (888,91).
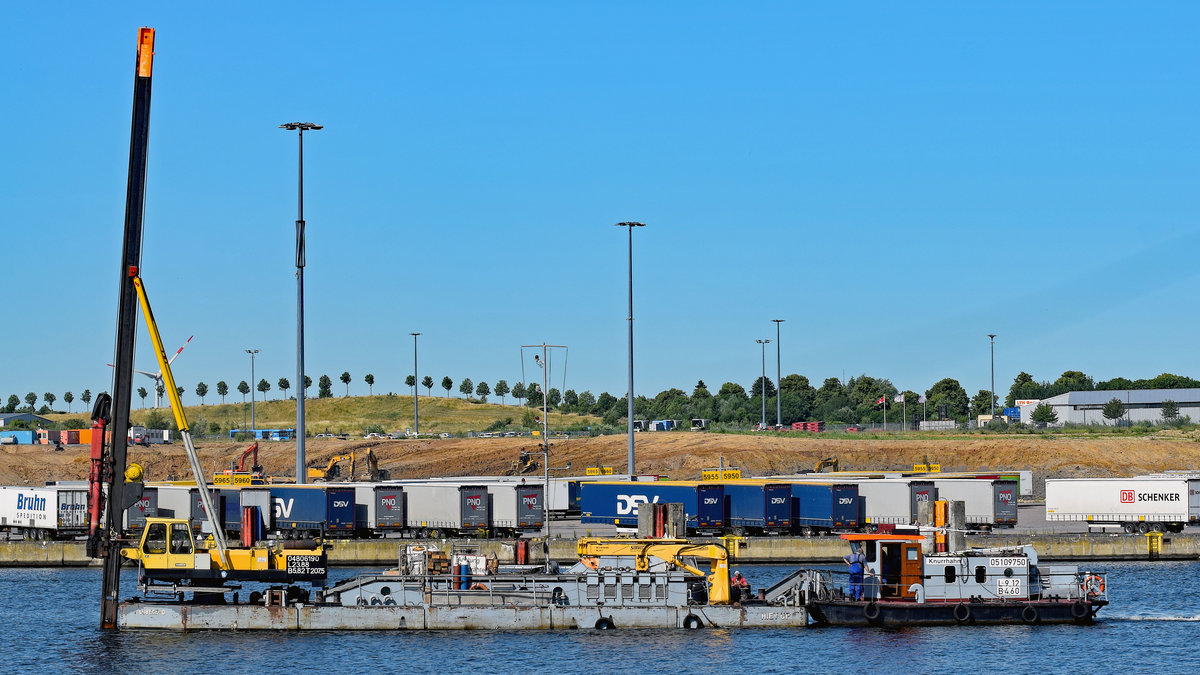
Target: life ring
(692,622)
(605,623)
(1029,614)
(1078,610)
(1093,585)
(871,611)
(962,613)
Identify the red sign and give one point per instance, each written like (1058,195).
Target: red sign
(1127,496)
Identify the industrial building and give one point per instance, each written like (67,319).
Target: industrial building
(1141,405)
(29,418)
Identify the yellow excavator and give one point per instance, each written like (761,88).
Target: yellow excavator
(831,462)
(167,550)
(333,470)
(649,553)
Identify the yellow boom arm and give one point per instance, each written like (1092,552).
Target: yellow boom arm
(673,551)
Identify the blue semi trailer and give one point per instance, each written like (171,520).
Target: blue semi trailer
(751,506)
(312,510)
(824,507)
(616,502)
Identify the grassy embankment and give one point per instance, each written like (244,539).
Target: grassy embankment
(354,414)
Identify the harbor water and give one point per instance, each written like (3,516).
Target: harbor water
(50,617)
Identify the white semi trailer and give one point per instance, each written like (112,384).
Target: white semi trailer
(1142,504)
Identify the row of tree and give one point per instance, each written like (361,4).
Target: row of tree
(862,399)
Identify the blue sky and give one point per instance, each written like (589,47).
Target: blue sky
(896,180)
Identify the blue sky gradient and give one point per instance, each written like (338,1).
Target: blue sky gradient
(896,180)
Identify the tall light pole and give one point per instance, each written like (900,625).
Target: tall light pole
(253,384)
(630,225)
(300,127)
(762,386)
(545,366)
(778,377)
(992,338)
(416,386)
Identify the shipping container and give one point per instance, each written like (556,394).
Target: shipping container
(52,512)
(436,505)
(989,502)
(616,502)
(85,436)
(20,436)
(1141,504)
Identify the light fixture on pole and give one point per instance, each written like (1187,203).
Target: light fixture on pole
(630,225)
(253,384)
(300,127)
(416,415)
(992,338)
(778,377)
(545,366)
(762,385)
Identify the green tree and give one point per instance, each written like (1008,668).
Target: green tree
(447,384)
(1022,384)
(482,390)
(466,387)
(179,392)
(411,381)
(13,402)
(31,399)
(284,385)
(700,391)
(86,397)
(948,392)
(143,394)
(370,380)
(518,392)
(324,387)
(201,391)
(731,389)
(49,398)
(263,387)
(346,381)
(1114,409)
(156,420)
(427,382)
(68,398)
(1072,380)
(160,389)
(570,399)
(222,389)
(757,387)
(533,395)
(243,389)
(502,390)
(799,398)
(1043,414)
(307,384)
(587,402)
(1170,410)
(553,397)
(981,403)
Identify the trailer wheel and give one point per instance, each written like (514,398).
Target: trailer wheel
(605,623)
(1129,528)
(962,613)
(807,530)
(1029,614)
(692,622)
(1156,527)
(1143,527)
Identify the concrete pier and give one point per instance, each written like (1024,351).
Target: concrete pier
(755,550)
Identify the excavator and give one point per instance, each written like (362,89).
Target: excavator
(831,462)
(237,474)
(333,470)
(525,464)
(167,551)
(648,554)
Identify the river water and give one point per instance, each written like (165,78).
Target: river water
(49,619)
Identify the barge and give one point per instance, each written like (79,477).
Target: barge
(902,586)
(617,583)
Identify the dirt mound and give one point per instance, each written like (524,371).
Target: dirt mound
(678,455)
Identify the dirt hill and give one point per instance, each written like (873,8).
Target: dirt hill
(678,455)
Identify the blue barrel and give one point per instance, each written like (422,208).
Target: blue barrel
(464,574)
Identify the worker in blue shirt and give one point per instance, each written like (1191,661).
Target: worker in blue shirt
(857,562)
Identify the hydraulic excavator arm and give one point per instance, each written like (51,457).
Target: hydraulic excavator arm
(673,551)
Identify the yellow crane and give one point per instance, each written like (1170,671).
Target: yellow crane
(673,552)
(166,551)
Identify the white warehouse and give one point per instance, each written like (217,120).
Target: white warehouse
(1141,405)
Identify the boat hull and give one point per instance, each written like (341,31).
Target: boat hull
(850,613)
(191,617)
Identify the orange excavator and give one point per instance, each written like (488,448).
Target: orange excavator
(237,474)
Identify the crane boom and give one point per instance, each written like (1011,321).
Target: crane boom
(185,433)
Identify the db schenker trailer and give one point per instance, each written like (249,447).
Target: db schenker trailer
(51,512)
(1143,504)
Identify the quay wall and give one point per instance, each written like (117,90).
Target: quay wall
(379,552)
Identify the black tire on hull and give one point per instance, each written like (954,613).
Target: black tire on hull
(962,613)
(605,623)
(1079,612)
(1029,614)
(871,611)
(692,622)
